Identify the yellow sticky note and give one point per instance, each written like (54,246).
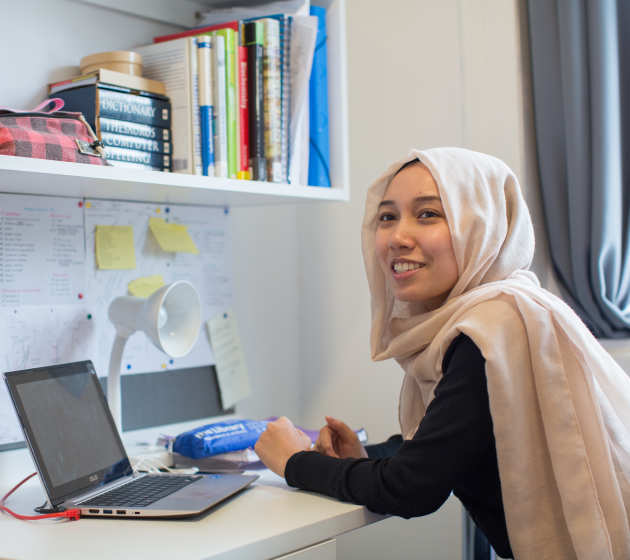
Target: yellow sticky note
(172,238)
(145,286)
(114,248)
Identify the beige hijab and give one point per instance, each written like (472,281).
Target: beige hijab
(560,404)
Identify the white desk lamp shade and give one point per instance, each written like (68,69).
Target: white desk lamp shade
(170,317)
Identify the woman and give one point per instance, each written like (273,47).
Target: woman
(508,400)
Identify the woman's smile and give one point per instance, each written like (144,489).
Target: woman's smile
(413,240)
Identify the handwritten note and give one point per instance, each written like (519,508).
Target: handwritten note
(145,286)
(172,238)
(230,361)
(114,247)
(42,256)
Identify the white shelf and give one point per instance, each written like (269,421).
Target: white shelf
(43,177)
(54,178)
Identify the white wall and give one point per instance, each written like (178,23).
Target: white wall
(421,74)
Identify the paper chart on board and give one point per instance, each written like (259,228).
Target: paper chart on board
(42,279)
(42,251)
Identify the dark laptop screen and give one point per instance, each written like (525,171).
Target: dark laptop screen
(68,426)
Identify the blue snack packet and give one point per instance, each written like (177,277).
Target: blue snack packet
(219,437)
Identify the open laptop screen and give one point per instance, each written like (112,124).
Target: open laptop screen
(68,426)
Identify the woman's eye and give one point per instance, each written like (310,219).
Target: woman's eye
(385,217)
(428,214)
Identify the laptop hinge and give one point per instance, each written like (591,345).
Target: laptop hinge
(47,507)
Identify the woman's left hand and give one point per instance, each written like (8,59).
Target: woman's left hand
(278,442)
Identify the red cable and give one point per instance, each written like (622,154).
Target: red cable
(71,514)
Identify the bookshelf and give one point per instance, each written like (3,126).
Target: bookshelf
(52,178)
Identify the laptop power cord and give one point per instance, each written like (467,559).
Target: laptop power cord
(72,514)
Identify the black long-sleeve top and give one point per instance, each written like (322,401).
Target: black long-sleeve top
(453,450)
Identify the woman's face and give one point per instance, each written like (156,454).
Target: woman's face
(413,241)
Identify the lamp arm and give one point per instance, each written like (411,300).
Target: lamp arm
(113,380)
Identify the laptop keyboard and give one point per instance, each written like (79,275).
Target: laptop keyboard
(142,491)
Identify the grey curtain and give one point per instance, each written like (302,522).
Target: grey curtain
(580,53)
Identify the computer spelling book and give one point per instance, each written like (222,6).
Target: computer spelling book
(81,459)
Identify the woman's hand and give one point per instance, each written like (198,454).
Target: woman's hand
(278,442)
(337,439)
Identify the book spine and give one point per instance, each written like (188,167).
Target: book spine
(135,143)
(161,161)
(272,102)
(243,107)
(169,62)
(204,63)
(113,126)
(319,147)
(134,108)
(220,107)
(285,70)
(131,165)
(231,100)
(253,38)
(194,107)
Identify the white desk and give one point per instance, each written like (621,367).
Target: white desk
(268,520)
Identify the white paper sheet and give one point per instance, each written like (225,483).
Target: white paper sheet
(241,10)
(42,252)
(36,336)
(230,360)
(303,37)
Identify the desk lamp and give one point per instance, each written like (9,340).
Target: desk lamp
(170,317)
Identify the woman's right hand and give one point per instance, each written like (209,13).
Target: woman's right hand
(337,439)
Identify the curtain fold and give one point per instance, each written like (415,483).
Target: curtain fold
(581,79)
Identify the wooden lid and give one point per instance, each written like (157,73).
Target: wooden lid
(129,57)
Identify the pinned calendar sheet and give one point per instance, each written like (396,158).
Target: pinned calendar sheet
(229,359)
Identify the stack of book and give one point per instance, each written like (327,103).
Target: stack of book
(131,116)
(230,89)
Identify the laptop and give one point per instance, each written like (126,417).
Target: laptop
(81,459)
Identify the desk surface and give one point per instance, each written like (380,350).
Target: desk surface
(266,520)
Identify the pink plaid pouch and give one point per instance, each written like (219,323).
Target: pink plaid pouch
(51,134)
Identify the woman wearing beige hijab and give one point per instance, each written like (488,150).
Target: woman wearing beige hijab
(508,400)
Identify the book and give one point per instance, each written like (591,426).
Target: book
(253,40)
(132,165)
(154,160)
(105,100)
(114,126)
(272,99)
(205,30)
(194,107)
(109,77)
(170,62)
(285,90)
(286,24)
(206,117)
(231,98)
(135,143)
(319,142)
(243,115)
(220,106)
